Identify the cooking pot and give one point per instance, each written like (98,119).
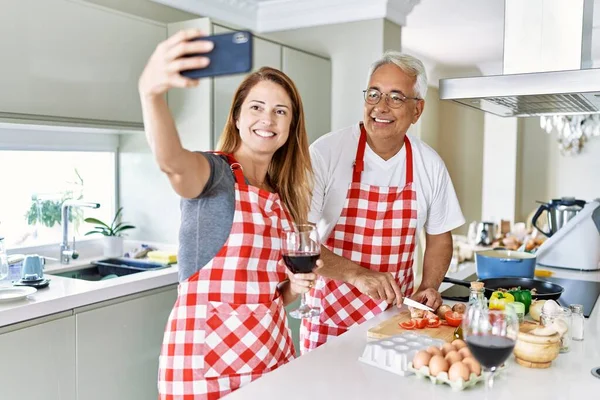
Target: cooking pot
(504,263)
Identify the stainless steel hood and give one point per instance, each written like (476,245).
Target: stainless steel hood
(547,55)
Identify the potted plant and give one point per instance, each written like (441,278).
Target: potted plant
(113,234)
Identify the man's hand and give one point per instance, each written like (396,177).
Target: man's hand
(430,297)
(378,286)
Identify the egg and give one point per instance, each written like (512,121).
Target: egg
(459,344)
(434,351)
(453,357)
(458,371)
(447,348)
(473,365)
(421,359)
(437,365)
(465,352)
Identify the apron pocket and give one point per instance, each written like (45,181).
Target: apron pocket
(244,338)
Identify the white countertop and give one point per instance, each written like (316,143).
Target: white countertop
(333,371)
(66,293)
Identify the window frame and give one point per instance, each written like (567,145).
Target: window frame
(26,137)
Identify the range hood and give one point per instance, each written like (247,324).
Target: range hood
(547,55)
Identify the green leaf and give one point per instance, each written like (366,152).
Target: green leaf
(123,228)
(120,225)
(116,218)
(96,221)
(93,232)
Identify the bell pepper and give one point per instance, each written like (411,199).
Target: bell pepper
(498,300)
(522,296)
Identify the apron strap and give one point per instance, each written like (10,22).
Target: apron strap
(235,166)
(359,164)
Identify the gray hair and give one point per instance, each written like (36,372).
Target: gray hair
(408,64)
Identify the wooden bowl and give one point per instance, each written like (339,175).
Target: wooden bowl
(534,351)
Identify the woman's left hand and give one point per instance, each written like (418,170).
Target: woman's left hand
(302,283)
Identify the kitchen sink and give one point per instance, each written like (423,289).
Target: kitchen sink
(110,268)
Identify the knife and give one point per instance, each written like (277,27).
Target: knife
(415,304)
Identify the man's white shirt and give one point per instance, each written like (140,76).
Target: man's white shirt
(333,156)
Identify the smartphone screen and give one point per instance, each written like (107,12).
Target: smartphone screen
(232,54)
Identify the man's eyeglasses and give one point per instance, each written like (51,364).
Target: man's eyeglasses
(393,99)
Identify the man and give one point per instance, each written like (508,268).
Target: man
(375,189)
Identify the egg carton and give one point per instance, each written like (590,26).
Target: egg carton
(394,354)
(442,378)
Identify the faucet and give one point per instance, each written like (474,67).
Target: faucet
(67,253)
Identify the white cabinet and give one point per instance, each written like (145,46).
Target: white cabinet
(118,346)
(264,54)
(192,107)
(312,76)
(67,59)
(37,361)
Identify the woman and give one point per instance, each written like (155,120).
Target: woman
(228,326)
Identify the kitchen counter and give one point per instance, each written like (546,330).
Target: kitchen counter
(67,294)
(333,371)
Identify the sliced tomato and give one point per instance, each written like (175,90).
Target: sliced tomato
(453,318)
(434,323)
(408,325)
(421,323)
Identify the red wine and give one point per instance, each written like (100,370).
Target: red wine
(491,350)
(301,263)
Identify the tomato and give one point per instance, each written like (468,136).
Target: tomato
(408,325)
(453,318)
(434,323)
(421,323)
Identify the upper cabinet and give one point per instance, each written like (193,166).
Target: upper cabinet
(67,59)
(312,76)
(264,54)
(192,107)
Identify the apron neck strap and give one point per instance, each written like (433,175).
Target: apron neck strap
(359,164)
(235,166)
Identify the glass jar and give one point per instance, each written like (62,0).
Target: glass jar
(577,322)
(519,309)
(477,296)
(561,321)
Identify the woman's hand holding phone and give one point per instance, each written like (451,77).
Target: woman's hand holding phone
(163,70)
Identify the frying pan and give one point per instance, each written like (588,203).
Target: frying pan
(545,290)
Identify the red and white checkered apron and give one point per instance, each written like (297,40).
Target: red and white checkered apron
(228,326)
(377,230)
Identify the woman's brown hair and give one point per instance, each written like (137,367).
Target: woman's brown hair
(290,172)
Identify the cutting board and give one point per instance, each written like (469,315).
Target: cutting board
(391,327)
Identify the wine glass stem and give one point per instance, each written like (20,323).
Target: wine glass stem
(303,301)
(489,378)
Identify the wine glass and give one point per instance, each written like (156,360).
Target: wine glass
(301,249)
(491,336)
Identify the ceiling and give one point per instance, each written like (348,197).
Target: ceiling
(449,33)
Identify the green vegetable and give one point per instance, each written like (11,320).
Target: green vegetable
(522,296)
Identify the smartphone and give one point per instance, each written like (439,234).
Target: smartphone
(232,54)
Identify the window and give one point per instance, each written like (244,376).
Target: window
(35,183)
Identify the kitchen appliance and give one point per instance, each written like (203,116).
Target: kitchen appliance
(576,245)
(504,263)
(560,212)
(482,233)
(32,272)
(544,290)
(575,291)
(33,268)
(546,63)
